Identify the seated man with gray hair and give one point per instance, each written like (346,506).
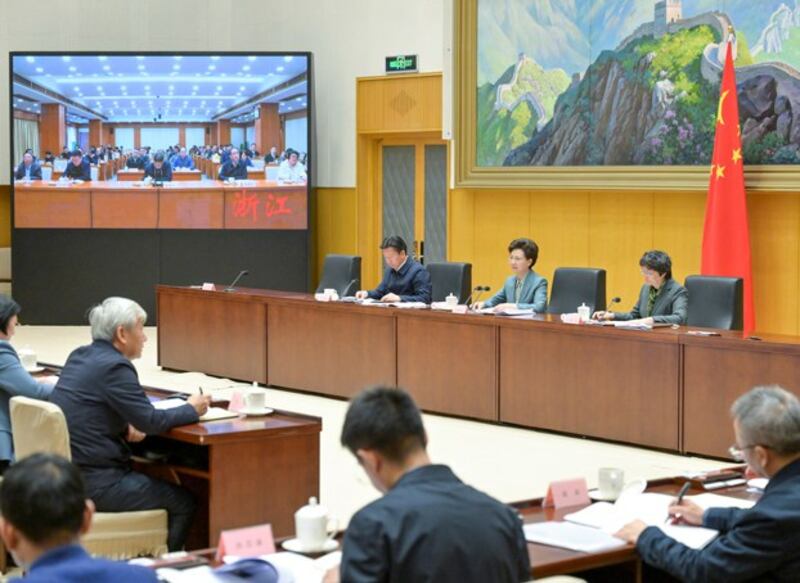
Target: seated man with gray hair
(106,407)
(761,543)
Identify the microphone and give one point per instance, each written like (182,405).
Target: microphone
(349,283)
(613,301)
(231,287)
(478,288)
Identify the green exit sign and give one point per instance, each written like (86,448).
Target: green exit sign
(401,64)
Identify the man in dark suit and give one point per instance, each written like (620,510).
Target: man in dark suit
(234,167)
(105,407)
(77,168)
(272,157)
(28,169)
(158,169)
(404,280)
(429,526)
(134,161)
(761,543)
(45,511)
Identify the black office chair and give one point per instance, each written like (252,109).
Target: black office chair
(342,273)
(715,302)
(573,286)
(450,277)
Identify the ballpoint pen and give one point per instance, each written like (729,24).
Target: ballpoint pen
(681,494)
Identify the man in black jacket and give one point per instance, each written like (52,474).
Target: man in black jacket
(78,168)
(106,407)
(234,167)
(28,169)
(761,543)
(429,526)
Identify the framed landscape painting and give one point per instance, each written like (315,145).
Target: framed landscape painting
(623,93)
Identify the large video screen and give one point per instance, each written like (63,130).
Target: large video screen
(161,141)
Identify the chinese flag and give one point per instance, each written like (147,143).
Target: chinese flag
(726,237)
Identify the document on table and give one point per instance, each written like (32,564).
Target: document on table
(650,508)
(213,413)
(568,535)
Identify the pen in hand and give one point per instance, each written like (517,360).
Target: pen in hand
(681,494)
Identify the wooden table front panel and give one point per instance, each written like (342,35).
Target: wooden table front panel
(449,367)
(186,175)
(715,376)
(187,208)
(53,207)
(262,481)
(209,332)
(135,208)
(266,207)
(334,350)
(130,175)
(596,383)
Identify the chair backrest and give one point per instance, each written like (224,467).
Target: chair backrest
(715,302)
(573,286)
(450,277)
(342,273)
(38,427)
(271,172)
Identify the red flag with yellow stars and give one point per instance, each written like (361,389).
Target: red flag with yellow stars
(726,236)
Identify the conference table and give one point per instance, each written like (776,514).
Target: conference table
(664,388)
(191,204)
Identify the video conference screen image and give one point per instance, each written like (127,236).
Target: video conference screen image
(155,141)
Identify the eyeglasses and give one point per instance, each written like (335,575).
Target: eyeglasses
(737,453)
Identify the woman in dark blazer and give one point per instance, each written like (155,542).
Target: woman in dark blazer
(525,289)
(662,299)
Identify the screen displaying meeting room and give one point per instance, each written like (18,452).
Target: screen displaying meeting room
(176,168)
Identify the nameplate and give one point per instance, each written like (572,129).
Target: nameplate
(236,402)
(253,541)
(461,309)
(566,493)
(209,287)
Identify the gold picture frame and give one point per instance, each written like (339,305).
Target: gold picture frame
(469,175)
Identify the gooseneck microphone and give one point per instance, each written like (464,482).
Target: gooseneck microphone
(613,301)
(232,286)
(479,289)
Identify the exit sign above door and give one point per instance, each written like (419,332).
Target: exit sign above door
(401,64)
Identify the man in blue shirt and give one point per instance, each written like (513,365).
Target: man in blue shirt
(78,168)
(45,511)
(182,160)
(429,526)
(28,169)
(404,280)
(761,543)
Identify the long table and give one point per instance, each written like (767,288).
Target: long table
(661,388)
(258,204)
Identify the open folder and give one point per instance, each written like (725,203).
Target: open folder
(213,413)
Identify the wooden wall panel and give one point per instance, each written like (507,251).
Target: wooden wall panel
(335,223)
(5,215)
(405,103)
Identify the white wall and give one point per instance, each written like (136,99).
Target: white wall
(237,136)
(195,137)
(124,138)
(159,138)
(325,27)
(297,134)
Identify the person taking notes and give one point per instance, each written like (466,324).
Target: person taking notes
(404,280)
(661,300)
(760,543)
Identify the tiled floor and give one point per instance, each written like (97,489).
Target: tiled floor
(508,463)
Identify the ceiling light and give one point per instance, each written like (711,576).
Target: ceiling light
(178,57)
(242,88)
(147,87)
(102,58)
(141,67)
(30,59)
(66,58)
(73,69)
(176,67)
(106,67)
(246,68)
(215,58)
(288,58)
(211,67)
(279,69)
(39,70)
(141,58)
(99,87)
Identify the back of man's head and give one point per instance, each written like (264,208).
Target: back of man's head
(385,420)
(44,498)
(769,416)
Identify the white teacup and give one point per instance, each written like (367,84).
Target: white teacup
(312,526)
(451,300)
(255,399)
(610,482)
(28,358)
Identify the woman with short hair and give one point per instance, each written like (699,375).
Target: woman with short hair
(525,289)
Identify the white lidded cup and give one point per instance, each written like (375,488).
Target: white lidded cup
(312,526)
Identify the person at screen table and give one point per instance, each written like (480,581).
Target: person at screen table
(14,379)
(761,543)
(273,157)
(247,158)
(525,289)
(28,169)
(291,169)
(662,299)
(234,167)
(77,168)
(404,280)
(182,160)
(158,169)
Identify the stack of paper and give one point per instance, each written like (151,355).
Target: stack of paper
(571,536)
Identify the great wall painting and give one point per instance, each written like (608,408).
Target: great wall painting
(628,82)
